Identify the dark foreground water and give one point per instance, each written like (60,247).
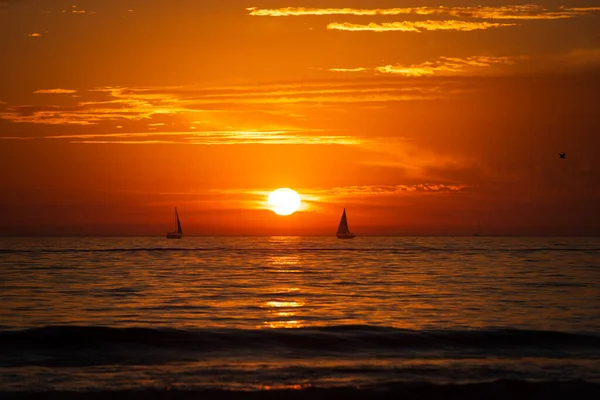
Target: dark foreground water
(300,317)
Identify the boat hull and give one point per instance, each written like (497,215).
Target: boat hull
(345,236)
(173,236)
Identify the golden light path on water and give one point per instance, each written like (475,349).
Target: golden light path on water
(261,282)
(286,305)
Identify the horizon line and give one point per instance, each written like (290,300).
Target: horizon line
(315,235)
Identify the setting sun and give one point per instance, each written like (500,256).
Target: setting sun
(284,201)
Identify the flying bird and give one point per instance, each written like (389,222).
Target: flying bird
(562,155)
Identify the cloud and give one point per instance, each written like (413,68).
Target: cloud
(55,91)
(574,61)
(360,69)
(35,34)
(14,138)
(585,9)
(231,137)
(416,26)
(60,115)
(193,103)
(367,191)
(445,66)
(516,12)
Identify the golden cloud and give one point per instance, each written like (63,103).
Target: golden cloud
(303,11)
(524,12)
(416,26)
(585,9)
(360,69)
(186,103)
(362,191)
(221,115)
(214,138)
(445,66)
(55,91)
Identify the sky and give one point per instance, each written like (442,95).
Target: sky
(417,117)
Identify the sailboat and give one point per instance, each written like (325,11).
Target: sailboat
(177,233)
(343,232)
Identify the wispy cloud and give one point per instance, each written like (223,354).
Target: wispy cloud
(35,34)
(14,138)
(231,137)
(576,60)
(188,103)
(360,69)
(195,115)
(367,191)
(62,115)
(585,9)
(416,26)
(445,66)
(55,91)
(516,12)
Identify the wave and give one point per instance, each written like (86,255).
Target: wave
(339,337)
(497,389)
(65,344)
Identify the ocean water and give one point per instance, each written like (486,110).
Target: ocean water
(424,316)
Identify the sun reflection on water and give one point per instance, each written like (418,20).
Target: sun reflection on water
(284,324)
(283,264)
(283,305)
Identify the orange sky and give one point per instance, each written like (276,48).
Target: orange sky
(418,117)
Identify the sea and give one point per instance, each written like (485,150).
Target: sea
(300,317)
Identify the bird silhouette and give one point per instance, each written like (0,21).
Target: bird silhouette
(562,155)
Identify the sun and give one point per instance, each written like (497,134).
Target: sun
(284,201)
